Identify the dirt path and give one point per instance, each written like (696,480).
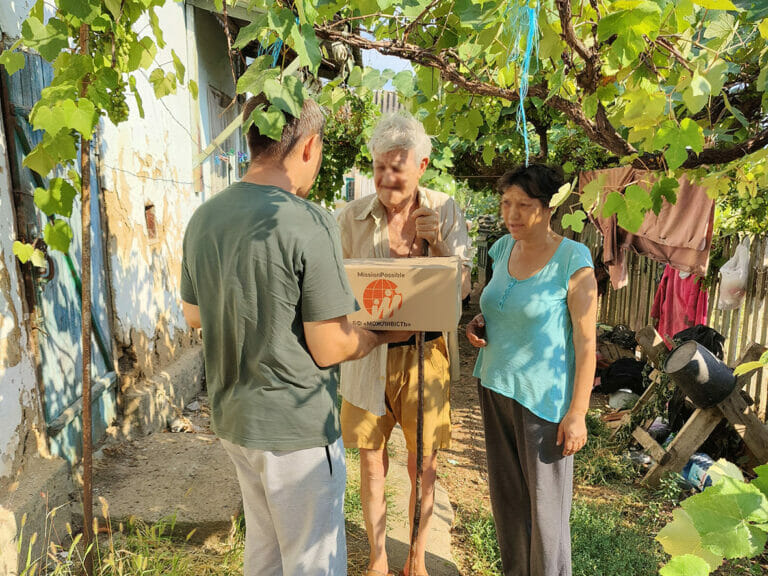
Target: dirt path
(462,469)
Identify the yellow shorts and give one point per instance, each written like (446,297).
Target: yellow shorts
(362,429)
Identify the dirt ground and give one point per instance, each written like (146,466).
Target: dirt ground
(462,469)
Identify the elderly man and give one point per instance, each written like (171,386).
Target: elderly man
(401,220)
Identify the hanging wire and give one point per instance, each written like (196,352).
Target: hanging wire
(523,26)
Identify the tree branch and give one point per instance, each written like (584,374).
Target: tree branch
(418,18)
(725,155)
(589,78)
(601,132)
(710,156)
(662,43)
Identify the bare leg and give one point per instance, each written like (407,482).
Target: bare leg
(373,472)
(427,505)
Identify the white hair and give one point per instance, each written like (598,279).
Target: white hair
(400,131)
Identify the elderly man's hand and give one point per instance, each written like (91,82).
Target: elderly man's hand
(427,225)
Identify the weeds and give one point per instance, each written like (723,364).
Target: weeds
(607,543)
(137,549)
(483,549)
(600,462)
(353,507)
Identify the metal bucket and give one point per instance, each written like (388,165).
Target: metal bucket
(704,378)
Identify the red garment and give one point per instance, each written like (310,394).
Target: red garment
(679,303)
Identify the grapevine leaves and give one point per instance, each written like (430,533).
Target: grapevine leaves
(270,122)
(286,94)
(686,565)
(575,221)
(48,39)
(664,189)
(590,194)
(57,198)
(561,195)
(58,235)
(680,537)
(84,87)
(630,207)
(723,515)
(677,140)
(12,60)
(727,520)
(749,366)
(28,253)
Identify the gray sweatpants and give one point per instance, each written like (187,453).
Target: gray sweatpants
(531,486)
(293,503)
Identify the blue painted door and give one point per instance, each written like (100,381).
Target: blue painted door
(57,289)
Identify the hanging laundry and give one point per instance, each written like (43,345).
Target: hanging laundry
(681,235)
(679,303)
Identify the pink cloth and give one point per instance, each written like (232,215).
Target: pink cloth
(681,235)
(679,303)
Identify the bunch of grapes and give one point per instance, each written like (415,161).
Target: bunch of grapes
(118,110)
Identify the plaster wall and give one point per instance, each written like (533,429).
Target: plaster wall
(214,70)
(12,15)
(146,165)
(19,402)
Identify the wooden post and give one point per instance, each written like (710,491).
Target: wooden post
(747,425)
(652,344)
(419,454)
(85,274)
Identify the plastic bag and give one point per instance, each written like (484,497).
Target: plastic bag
(734,276)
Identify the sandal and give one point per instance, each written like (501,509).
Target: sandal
(372,572)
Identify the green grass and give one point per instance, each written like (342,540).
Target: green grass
(353,507)
(480,537)
(142,550)
(605,542)
(608,542)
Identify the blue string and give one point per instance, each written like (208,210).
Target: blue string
(273,49)
(523,22)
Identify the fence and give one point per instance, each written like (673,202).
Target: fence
(631,305)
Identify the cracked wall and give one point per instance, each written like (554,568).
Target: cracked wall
(19,402)
(147,163)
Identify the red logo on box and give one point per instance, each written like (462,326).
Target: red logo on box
(381,299)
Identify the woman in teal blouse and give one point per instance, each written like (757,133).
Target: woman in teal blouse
(536,367)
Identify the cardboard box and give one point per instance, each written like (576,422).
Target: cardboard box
(420,294)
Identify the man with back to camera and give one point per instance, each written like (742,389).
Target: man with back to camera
(262,275)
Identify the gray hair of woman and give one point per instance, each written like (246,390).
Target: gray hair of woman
(400,131)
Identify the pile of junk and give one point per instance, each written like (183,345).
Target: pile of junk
(624,374)
(667,388)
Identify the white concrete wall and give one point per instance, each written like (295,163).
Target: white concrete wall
(18,392)
(12,14)
(149,162)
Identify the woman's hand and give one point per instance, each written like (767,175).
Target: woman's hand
(572,433)
(476,332)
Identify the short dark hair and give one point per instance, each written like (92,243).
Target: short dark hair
(310,122)
(539,181)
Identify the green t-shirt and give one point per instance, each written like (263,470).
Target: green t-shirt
(259,261)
